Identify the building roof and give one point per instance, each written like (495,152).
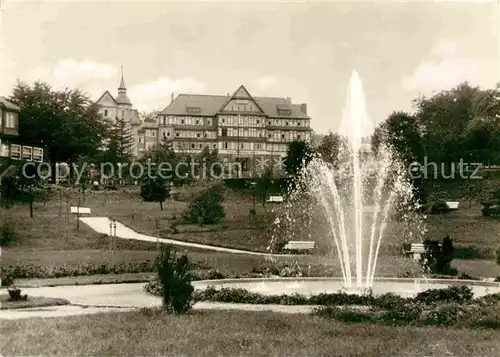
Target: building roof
(122,98)
(4,103)
(135,120)
(210,105)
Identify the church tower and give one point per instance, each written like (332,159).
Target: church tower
(122,97)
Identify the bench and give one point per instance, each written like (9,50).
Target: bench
(416,250)
(296,246)
(80,210)
(452,205)
(275,199)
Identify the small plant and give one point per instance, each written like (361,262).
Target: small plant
(498,256)
(15,294)
(7,234)
(439,207)
(206,208)
(174,275)
(214,274)
(437,257)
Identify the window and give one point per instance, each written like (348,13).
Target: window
(182,121)
(105,112)
(224,132)
(225,145)
(298,137)
(168,133)
(201,146)
(5,150)
(198,135)
(215,146)
(282,136)
(269,136)
(27,153)
(192,146)
(286,123)
(298,123)
(37,154)
(269,122)
(197,122)
(15,152)
(209,122)
(10,120)
(177,134)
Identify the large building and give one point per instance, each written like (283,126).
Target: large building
(246,129)
(121,108)
(11,145)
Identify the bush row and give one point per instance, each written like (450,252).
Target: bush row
(30,271)
(480,314)
(458,294)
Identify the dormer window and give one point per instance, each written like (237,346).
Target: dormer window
(194,110)
(284,110)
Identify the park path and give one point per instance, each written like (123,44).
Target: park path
(91,299)
(102,225)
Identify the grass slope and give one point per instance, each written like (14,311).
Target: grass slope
(221,333)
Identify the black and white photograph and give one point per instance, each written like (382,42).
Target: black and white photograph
(250,178)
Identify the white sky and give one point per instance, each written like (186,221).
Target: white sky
(306,51)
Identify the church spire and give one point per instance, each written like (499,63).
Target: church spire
(122,82)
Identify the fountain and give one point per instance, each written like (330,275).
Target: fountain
(345,190)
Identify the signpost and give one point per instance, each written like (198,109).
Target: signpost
(157,224)
(112,235)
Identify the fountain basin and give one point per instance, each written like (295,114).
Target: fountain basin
(405,287)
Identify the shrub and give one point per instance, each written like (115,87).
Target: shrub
(437,258)
(344,315)
(459,294)
(439,207)
(15,294)
(7,234)
(498,256)
(402,313)
(446,314)
(214,274)
(174,274)
(206,208)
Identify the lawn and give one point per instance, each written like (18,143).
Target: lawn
(52,238)
(223,333)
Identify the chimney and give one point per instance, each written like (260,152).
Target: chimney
(171,97)
(303,108)
(289,100)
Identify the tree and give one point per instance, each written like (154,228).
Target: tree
(454,122)
(155,189)
(206,160)
(67,122)
(401,132)
(263,184)
(206,208)
(298,156)
(330,147)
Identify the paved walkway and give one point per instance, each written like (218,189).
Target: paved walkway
(91,299)
(101,225)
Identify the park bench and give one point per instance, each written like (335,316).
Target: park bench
(80,210)
(299,246)
(275,199)
(452,205)
(416,250)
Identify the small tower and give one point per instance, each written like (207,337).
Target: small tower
(122,97)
